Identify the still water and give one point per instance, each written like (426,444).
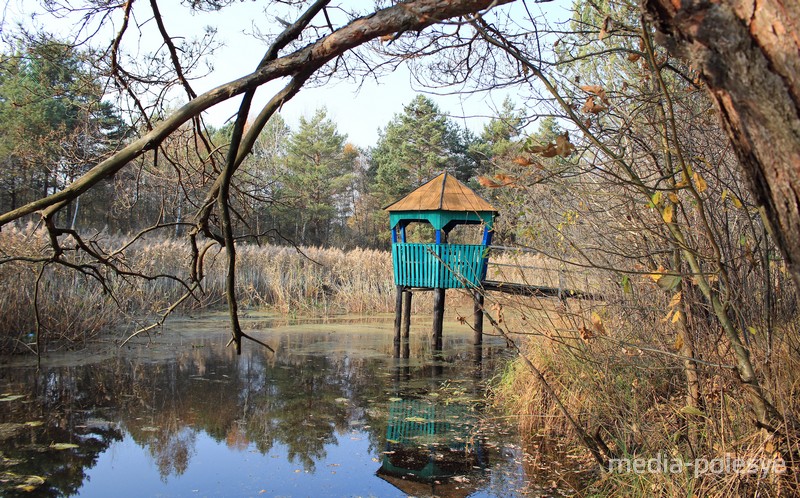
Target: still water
(331,414)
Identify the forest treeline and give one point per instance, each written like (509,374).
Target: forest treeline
(306,186)
(611,163)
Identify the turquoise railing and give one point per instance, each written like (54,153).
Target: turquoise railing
(444,266)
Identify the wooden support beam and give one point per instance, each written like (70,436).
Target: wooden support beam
(398,310)
(406,328)
(438,320)
(477,338)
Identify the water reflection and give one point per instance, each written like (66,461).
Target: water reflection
(432,449)
(331,414)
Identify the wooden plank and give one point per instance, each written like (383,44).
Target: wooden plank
(537,290)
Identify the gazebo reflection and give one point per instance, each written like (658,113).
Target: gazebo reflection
(430,449)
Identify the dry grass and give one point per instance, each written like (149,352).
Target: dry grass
(73,307)
(627,385)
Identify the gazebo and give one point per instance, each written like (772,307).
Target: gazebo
(444,203)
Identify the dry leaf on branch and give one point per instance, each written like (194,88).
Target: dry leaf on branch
(597,323)
(523,161)
(598,91)
(563,146)
(591,106)
(604,30)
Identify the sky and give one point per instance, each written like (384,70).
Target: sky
(358,111)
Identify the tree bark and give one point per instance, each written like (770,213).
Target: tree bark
(748,56)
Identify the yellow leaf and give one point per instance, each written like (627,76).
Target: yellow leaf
(752,330)
(736,201)
(597,322)
(724,195)
(657,198)
(62,446)
(691,410)
(669,315)
(667,214)
(678,342)
(673,197)
(656,275)
(699,183)
(677,316)
(676,300)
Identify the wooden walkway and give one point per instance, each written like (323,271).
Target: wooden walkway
(536,290)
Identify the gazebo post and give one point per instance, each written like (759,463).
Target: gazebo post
(438,319)
(406,329)
(398,310)
(477,338)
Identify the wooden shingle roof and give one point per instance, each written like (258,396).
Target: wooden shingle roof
(443,193)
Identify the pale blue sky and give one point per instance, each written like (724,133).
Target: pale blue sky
(359,113)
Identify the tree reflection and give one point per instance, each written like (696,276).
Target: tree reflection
(302,401)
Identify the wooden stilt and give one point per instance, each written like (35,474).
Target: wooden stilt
(406,329)
(477,338)
(398,311)
(438,319)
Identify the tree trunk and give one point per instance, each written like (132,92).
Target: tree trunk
(748,55)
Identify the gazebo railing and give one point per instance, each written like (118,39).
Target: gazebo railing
(444,266)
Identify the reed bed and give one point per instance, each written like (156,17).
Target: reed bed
(73,307)
(614,366)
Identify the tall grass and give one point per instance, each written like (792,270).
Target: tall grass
(625,384)
(73,307)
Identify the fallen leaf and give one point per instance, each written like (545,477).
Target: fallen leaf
(668,282)
(633,57)
(692,410)
(63,446)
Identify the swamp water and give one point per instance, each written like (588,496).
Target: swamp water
(331,414)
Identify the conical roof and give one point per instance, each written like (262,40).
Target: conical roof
(443,193)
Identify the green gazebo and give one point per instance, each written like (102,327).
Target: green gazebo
(444,203)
